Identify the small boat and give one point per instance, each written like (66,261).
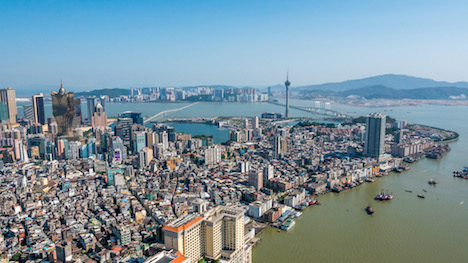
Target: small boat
(421,196)
(313,202)
(369,210)
(462,202)
(382,196)
(337,189)
(424,190)
(369,180)
(432,182)
(409,191)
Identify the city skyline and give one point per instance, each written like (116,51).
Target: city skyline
(239,43)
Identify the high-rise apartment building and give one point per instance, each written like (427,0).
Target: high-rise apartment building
(119,151)
(63,149)
(217,233)
(375,135)
(8,96)
(256,179)
(38,108)
(151,139)
(28,112)
(246,123)
(268,173)
(91,105)
(139,141)
(255,123)
(277,147)
(212,155)
(164,139)
(123,129)
(145,156)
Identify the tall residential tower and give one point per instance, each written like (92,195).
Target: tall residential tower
(38,108)
(375,135)
(8,96)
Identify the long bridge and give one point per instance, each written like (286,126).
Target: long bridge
(163,113)
(320,111)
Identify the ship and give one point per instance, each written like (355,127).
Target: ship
(369,210)
(337,189)
(297,214)
(461,174)
(432,181)
(288,224)
(382,196)
(401,169)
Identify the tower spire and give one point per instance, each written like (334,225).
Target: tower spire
(287,84)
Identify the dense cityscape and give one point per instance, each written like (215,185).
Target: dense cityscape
(77,189)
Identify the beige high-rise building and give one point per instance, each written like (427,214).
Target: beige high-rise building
(216,234)
(256,179)
(8,96)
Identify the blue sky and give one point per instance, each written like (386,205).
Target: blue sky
(102,44)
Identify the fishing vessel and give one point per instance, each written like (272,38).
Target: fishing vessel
(382,196)
(432,181)
(369,210)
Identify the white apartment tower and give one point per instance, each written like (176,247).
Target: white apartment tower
(218,233)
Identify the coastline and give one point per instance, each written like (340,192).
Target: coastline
(389,173)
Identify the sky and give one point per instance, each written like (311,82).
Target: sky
(106,44)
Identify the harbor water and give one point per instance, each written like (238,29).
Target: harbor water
(405,229)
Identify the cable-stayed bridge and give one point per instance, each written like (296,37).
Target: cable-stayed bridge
(164,113)
(320,111)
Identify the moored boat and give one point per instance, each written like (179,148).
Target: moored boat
(337,189)
(369,210)
(288,224)
(382,196)
(432,182)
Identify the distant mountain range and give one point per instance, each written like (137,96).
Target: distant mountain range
(383,92)
(388,80)
(388,87)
